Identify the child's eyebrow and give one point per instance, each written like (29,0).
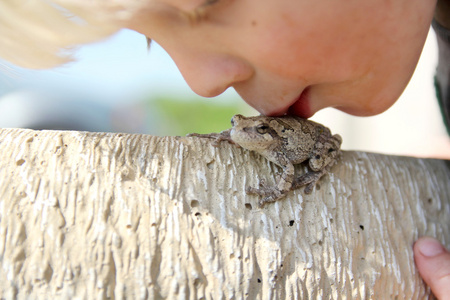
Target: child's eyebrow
(193,16)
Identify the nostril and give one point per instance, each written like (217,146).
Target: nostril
(236,118)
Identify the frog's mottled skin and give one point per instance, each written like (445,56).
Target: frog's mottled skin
(285,141)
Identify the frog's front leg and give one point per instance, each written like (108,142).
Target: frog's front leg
(275,193)
(309,179)
(217,137)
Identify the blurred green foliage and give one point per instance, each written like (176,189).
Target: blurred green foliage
(172,116)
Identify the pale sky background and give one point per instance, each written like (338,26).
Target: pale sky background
(120,70)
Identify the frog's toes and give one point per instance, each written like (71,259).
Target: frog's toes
(273,196)
(269,194)
(262,190)
(256,191)
(250,190)
(309,188)
(263,202)
(262,184)
(303,180)
(268,199)
(216,143)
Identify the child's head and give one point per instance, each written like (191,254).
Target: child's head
(295,56)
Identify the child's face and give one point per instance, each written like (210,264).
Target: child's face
(295,56)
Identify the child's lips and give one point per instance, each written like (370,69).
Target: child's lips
(301,106)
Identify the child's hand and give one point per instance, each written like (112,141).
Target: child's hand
(433,261)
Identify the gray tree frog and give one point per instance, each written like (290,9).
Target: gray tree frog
(285,141)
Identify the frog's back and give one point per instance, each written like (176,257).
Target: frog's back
(299,137)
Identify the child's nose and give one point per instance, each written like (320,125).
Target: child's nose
(210,74)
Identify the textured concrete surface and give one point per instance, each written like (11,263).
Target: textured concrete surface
(96,215)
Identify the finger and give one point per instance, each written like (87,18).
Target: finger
(433,262)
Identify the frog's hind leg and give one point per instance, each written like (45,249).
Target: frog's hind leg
(274,193)
(269,194)
(309,179)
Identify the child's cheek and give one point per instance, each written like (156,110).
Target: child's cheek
(297,54)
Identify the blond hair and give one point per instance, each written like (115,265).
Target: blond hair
(43,34)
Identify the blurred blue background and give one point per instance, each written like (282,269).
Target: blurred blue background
(117,85)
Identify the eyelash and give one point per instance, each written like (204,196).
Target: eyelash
(196,16)
(210,2)
(201,12)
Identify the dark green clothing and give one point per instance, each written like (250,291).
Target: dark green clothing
(442,78)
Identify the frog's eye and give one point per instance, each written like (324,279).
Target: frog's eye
(262,129)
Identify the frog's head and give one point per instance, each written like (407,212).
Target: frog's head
(254,133)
